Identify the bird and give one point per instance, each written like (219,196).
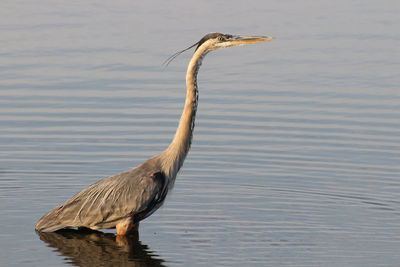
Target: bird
(123,200)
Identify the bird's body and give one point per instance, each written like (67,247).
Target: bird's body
(121,201)
(111,201)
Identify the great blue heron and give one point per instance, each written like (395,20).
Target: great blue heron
(121,201)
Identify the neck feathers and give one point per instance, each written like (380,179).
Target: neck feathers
(175,154)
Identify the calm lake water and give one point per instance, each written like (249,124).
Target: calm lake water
(296,152)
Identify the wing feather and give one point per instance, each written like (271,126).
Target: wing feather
(103,204)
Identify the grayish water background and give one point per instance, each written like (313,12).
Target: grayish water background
(295,158)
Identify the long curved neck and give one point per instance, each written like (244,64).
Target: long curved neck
(175,154)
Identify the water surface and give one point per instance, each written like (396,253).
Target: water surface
(295,159)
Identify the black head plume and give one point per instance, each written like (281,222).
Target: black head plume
(199,43)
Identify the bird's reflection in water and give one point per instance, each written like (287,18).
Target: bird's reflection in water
(86,247)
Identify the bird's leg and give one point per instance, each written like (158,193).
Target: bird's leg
(127,227)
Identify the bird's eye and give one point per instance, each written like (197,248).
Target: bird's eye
(220,38)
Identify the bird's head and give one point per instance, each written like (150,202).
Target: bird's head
(213,41)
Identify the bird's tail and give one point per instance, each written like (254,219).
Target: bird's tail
(50,222)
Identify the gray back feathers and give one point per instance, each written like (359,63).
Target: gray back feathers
(105,203)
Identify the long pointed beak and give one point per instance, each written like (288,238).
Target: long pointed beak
(242,40)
